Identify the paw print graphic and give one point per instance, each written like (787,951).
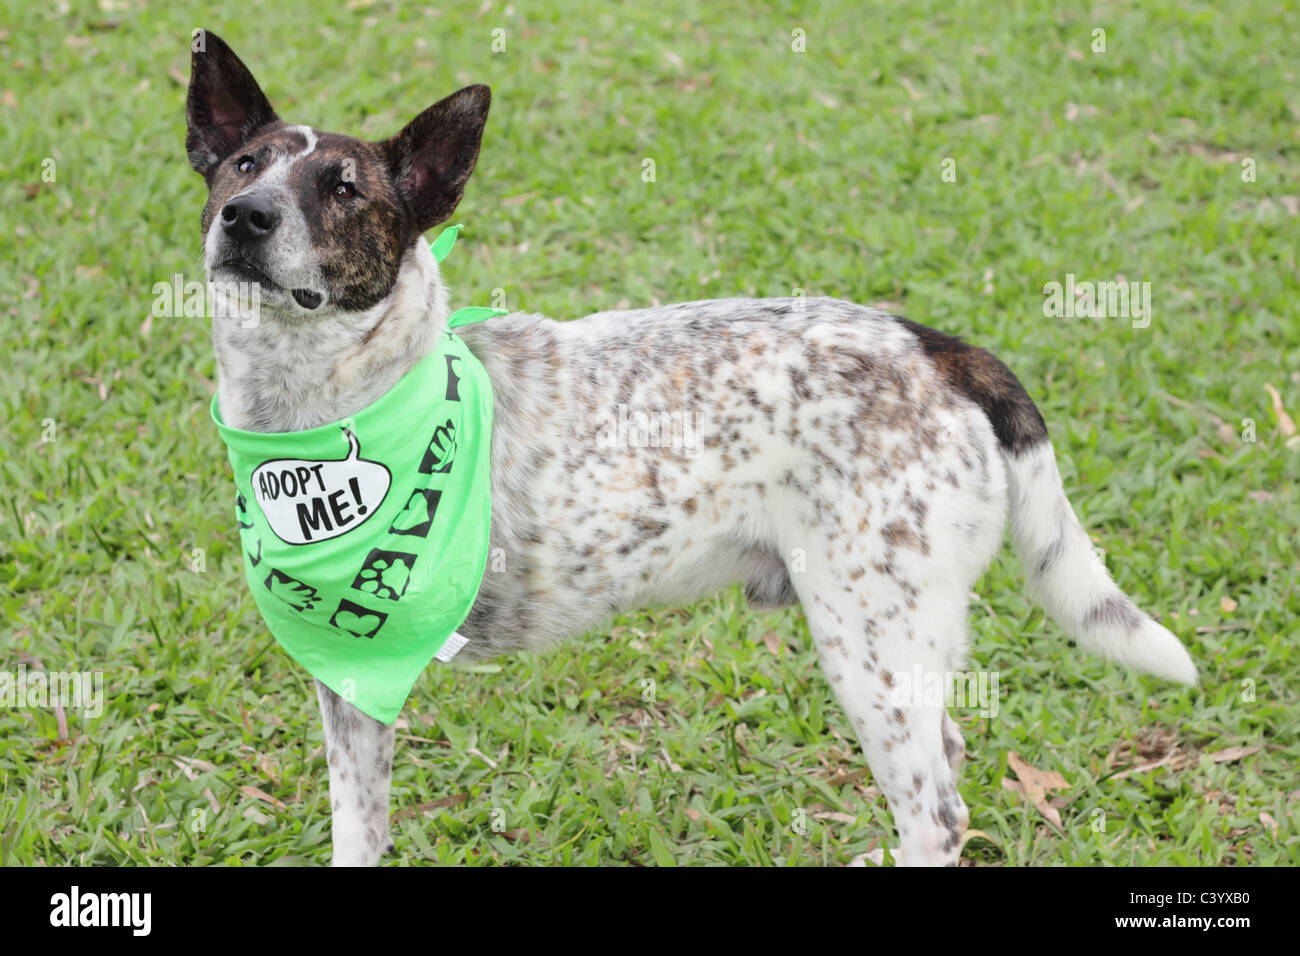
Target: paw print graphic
(385,574)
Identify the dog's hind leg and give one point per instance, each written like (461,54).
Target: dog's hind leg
(887,612)
(359,750)
(954,746)
(873,663)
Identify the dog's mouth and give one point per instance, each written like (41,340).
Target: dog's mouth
(309,299)
(244,269)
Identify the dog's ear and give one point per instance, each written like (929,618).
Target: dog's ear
(431,159)
(225,106)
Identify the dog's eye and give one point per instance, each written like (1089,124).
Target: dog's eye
(344,191)
(246,164)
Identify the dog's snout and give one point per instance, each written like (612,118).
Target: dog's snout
(246,218)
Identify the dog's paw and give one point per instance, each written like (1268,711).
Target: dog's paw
(877,857)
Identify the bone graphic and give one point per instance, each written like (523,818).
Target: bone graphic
(306,501)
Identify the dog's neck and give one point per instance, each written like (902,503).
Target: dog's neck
(289,373)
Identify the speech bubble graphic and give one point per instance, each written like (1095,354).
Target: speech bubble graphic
(307,501)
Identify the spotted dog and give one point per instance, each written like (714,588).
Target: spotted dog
(856,463)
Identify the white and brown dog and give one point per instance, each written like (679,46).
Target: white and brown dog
(884,455)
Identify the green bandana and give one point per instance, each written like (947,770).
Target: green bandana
(365,540)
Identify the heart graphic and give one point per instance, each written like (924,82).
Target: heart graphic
(357,620)
(417,517)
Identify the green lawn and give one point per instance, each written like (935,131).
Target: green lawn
(820,170)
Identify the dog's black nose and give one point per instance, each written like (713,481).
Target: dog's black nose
(246,218)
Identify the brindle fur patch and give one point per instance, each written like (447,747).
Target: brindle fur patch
(981,377)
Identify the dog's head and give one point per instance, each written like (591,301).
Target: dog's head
(320,221)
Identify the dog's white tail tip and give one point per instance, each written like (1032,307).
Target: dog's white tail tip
(1070,579)
(1157,651)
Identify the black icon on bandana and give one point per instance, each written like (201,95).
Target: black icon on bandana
(441,452)
(297,594)
(453,380)
(417,517)
(385,574)
(357,620)
(241,512)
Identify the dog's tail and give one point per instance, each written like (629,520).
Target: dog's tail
(1069,579)
(1065,575)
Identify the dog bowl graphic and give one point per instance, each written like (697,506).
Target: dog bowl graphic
(307,501)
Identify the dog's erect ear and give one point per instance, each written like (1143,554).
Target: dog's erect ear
(431,159)
(225,105)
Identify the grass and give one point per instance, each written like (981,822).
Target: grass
(774,170)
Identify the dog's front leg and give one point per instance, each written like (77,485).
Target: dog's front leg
(360,754)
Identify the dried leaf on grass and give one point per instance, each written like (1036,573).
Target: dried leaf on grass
(430,805)
(259,794)
(1160,747)
(1035,784)
(1284,421)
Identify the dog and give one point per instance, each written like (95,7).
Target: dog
(845,459)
